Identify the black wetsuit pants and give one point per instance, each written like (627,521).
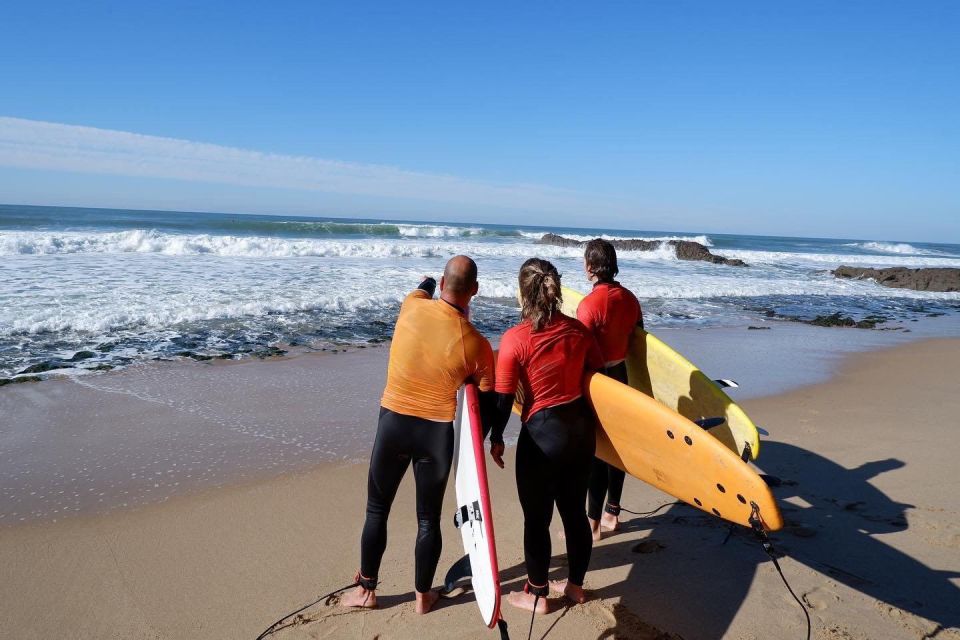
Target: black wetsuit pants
(429,445)
(606,481)
(554,453)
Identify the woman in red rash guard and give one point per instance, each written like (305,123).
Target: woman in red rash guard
(610,312)
(546,356)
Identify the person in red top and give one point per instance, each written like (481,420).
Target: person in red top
(610,312)
(545,358)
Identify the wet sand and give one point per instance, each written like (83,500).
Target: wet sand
(869,488)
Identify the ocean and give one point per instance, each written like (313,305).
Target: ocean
(85,290)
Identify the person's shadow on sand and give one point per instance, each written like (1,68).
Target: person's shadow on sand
(693,585)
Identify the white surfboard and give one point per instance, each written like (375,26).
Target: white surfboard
(474,517)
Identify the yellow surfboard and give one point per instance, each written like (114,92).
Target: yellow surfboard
(654,443)
(662,373)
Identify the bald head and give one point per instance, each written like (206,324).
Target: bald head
(460,276)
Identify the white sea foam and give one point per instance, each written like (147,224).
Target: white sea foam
(148,290)
(436,231)
(152,241)
(896,248)
(702,239)
(833,260)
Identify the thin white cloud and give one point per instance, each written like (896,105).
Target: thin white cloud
(34,144)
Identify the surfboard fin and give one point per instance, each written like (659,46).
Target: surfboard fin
(723,383)
(709,423)
(459,570)
(502,626)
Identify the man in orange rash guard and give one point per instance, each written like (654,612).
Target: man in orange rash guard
(610,312)
(435,350)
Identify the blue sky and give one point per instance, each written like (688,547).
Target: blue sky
(833,119)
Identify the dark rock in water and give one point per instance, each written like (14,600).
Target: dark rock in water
(191,354)
(689,250)
(927,279)
(202,357)
(82,355)
(107,367)
(753,328)
(560,241)
(684,249)
(839,320)
(43,367)
(6,381)
(269,352)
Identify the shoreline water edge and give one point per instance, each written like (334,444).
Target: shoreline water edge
(154,430)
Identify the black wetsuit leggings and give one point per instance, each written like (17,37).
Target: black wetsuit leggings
(400,440)
(554,452)
(606,481)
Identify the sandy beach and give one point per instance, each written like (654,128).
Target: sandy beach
(869,489)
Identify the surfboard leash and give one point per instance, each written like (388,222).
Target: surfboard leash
(274,627)
(502,627)
(538,592)
(757,525)
(653,512)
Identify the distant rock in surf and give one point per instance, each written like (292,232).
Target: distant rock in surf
(685,249)
(927,279)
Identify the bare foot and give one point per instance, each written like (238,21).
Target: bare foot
(523,600)
(595,529)
(610,522)
(359,597)
(425,601)
(571,591)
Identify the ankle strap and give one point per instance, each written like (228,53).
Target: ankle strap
(612,509)
(370,584)
(543,591)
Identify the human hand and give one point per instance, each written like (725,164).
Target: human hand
(496,452)
(428,284)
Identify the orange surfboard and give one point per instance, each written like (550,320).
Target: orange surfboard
(655,444)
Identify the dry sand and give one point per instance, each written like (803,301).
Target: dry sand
(870,491)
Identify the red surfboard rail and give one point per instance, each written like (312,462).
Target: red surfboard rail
(472,401)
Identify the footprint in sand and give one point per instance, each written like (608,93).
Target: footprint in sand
(648,546)
(820,599)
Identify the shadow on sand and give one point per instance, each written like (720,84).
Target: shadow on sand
(693,584)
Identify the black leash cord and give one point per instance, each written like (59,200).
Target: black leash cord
(650,513)
(782,577)
(757,526)
(269,630)
(536,599)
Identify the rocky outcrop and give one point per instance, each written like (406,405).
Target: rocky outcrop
(685,249)
(931,279)
(689,250)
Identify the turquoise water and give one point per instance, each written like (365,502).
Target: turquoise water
(87,289)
